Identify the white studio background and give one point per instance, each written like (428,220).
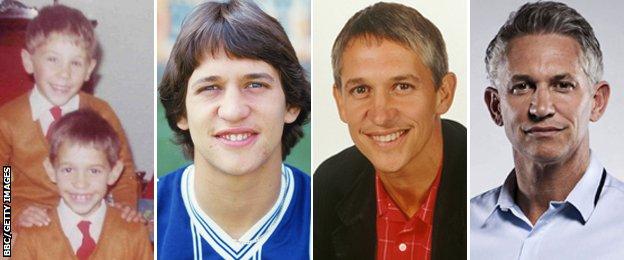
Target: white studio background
(490,151)
(330,135)
(125,33)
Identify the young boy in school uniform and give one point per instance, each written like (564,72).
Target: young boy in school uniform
(83,163)
(60,55)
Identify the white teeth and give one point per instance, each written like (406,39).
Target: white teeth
(80,197)
(237,137)
(389,137)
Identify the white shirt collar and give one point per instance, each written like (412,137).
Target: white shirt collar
(69,223)
(40,108)
(204,228)
(581,197)
(39,105)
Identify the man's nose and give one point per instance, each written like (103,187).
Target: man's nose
(233,106)
(383,111)
(541,104)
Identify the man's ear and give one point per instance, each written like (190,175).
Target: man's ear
(492,101)
(27,61)
(49,169)
(183,123)
(292,112)
(601,99)
(115,172)
(92,64)
(446,93)
(337,91)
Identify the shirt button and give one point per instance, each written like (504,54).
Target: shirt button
(402,247)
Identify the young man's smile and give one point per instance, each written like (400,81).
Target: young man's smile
(236,110)
(237,137)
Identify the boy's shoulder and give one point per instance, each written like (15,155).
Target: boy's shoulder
(120,239)
(170,182)
(114,224)
(91,101)
(101,107)
(35,241)
(16,107)
(301,178)
(51,230)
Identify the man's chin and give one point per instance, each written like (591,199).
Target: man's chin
(546,156)
(236,168)
(386,165)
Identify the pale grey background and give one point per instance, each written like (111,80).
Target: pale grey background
(125,32)
(490,151)
(330,135)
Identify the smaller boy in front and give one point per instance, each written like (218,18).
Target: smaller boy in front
(84,162)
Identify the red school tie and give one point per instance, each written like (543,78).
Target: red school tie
(88,244)
(56,114)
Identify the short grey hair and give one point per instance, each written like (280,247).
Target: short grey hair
(398,23)
(545,18)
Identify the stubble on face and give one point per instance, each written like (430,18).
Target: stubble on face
(545,99)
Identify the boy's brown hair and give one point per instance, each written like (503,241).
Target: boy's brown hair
(62,20)
(84,127)
(242,30)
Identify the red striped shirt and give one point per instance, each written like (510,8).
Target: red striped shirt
(400,237)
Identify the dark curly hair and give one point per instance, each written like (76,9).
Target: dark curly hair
(242,30)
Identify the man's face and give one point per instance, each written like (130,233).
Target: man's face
(59,66)
(545,100)
(82,174)
(236,111)
(389,100)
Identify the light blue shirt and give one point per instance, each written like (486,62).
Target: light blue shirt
(588,224)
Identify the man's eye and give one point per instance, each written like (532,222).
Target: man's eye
(208,88)
(255,85)
(67,170)
(403,87)
(564,86)
(95,171)
(520,88)
(359,90)
(51,59)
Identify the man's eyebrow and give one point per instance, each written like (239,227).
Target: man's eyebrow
(560,77)
(208,79)
(355,81)
(358,81)
(406,77)
(522,77)
(260,75)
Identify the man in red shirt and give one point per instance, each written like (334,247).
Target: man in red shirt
(400,193)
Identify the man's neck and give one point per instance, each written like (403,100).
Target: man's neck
(540,183)
(408,186)
(237,202)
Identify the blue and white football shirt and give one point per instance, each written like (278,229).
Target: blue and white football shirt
(186,232)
